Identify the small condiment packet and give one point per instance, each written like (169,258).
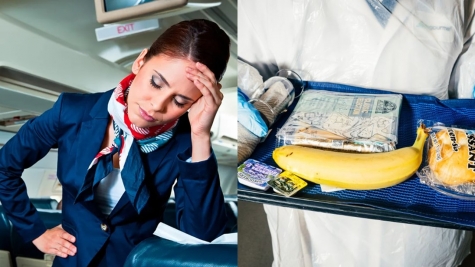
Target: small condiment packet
(287,183)
(255,174)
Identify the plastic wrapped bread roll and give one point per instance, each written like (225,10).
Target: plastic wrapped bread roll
(452,156)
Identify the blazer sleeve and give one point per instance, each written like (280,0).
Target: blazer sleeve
(32,142)
(199,200)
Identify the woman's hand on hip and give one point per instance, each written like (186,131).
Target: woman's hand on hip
(203,111)
(56,241)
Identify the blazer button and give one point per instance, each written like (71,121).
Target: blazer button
(104,227)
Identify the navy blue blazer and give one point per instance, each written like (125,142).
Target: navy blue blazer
(76,125)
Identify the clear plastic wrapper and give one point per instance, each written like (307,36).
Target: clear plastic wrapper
(278,92)
(249,80)
(343,121)
(449,161)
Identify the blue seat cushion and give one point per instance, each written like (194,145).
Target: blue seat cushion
(156,251)
(5,231)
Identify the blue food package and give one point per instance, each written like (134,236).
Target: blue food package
(255,174)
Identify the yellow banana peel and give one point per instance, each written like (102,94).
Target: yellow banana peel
(352,170)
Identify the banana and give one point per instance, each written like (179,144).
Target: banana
(352,170)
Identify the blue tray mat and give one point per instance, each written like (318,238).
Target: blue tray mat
(410,197)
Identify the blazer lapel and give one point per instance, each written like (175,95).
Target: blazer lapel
(89,140)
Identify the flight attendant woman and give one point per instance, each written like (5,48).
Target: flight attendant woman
(121,151)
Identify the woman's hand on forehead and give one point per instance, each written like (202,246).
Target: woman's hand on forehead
(204,110)
(202,73)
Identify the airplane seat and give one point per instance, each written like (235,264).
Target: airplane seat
(44,203)
(5,243)
(5,231)
(169,215)
(231,212)
(156,251)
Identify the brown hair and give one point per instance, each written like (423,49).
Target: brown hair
(199,40)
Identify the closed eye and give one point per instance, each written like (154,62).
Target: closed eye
(178,104)
(152,82)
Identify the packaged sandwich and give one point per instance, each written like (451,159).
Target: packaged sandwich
(343,121)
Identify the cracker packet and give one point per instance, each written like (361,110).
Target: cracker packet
(287,183)
(255,174)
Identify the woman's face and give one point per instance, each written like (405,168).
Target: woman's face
(160,92)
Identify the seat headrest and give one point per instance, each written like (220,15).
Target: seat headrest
(156,251)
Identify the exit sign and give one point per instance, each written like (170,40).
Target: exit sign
(119,30)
